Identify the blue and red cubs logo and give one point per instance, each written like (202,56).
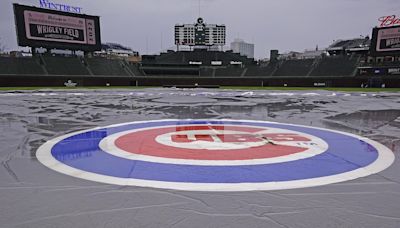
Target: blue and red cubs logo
(215,155)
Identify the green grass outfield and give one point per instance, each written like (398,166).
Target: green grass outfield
(223,87)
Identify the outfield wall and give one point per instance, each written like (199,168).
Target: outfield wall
(40,80)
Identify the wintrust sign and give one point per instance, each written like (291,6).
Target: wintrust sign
(60,7)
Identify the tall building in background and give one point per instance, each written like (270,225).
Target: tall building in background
(200,35)
(246,49)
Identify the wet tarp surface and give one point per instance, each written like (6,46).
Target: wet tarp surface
(32,195)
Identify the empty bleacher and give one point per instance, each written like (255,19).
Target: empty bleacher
(58,65)
(170,69)
(23,65)
(171,58)
(297,67)
(107,67)
(336,66)
(135,69)
(207,72)
(254,71)
(229,72)
(204,56)
(179,63)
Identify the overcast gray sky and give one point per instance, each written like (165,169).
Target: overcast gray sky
(270,24)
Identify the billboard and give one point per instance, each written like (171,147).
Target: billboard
(386,41)
(37,27)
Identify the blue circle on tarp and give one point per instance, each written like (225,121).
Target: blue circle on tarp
(345,154)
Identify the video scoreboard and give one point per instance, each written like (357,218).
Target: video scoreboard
(38,27)
(386,41)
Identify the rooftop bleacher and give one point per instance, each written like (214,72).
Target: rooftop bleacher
(350,44)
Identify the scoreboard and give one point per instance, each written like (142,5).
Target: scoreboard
(200,34)
(38,27)
(386,41)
